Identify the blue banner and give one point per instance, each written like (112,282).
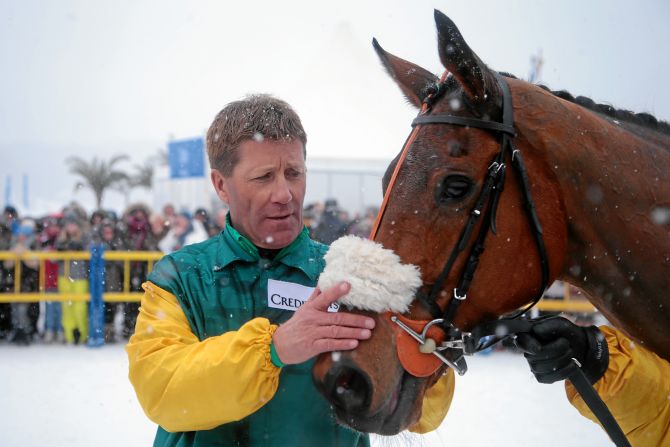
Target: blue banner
(187,158)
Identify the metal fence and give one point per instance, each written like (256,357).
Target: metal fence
(16,295)
(567,303)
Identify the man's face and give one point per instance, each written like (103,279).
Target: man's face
(265,191)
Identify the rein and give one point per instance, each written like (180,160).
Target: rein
(454,344)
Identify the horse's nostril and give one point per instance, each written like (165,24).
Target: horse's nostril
(349,388)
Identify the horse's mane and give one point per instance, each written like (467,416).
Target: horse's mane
(642,119)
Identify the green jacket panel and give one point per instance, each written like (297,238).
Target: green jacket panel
(221,284)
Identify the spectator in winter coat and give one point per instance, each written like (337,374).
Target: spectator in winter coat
(330,226)
(159,227)
(185,231)
(73,279)
(169,213)
(6,280)
(202,216)
(11,218)
(111,241)
(362,226)
(220,222)
(139,238)
(53,318)
(23,329)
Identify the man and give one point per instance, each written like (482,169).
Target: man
(222,347)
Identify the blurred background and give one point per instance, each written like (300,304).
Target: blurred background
(103,78)
(103,109)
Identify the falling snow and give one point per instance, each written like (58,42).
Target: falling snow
(258,137)
(660,215)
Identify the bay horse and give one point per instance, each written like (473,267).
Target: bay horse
(599,218)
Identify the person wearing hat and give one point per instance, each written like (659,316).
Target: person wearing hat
(111,240)
(185,231)
(75,312)
(24,241)
(6,280)
(11,217)
(53,315)
(331,226)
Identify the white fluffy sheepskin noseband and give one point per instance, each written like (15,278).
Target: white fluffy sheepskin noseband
(379,282)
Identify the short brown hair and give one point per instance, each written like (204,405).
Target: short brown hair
(256,116)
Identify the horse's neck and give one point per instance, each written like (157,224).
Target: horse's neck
(616,192)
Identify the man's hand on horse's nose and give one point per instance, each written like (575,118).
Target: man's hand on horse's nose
(313,330)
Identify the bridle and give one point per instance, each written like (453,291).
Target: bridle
(458,343)
(454,344)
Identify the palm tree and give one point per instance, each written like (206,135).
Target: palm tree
(143,176)
(98,175)
(160,157)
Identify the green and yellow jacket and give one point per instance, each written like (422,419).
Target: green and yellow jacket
(200,356)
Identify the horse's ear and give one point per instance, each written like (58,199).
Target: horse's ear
(412,79)
(459,59)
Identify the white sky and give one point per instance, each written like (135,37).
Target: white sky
(95,78)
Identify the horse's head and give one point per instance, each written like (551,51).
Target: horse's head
(439,183)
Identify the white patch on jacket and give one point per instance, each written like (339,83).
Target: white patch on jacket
(379,282)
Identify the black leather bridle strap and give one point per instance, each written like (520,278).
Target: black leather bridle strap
(529,203)
(463,121)
(464,238)
(491,189)
(467,275)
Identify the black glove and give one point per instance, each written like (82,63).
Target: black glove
(553,343)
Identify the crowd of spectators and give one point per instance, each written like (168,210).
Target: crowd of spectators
(138,229)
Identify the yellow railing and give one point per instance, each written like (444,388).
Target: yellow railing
(42,256)
(568,306)
(565,304)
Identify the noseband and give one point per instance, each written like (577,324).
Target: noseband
(458,343)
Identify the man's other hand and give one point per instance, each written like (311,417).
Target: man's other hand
(553,345)
(313,330)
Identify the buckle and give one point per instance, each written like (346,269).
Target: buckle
(467,344)
(428,346)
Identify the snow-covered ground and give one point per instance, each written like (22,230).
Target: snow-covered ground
(81,397)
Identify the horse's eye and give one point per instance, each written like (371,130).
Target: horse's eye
(454,187)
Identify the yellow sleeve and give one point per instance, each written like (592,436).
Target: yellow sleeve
(436,403)
(636,388)
(185,384)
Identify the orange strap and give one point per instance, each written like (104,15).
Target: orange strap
(387,194)
(401,160)
(412,359)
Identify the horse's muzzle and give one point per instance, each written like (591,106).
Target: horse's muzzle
(348,388)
